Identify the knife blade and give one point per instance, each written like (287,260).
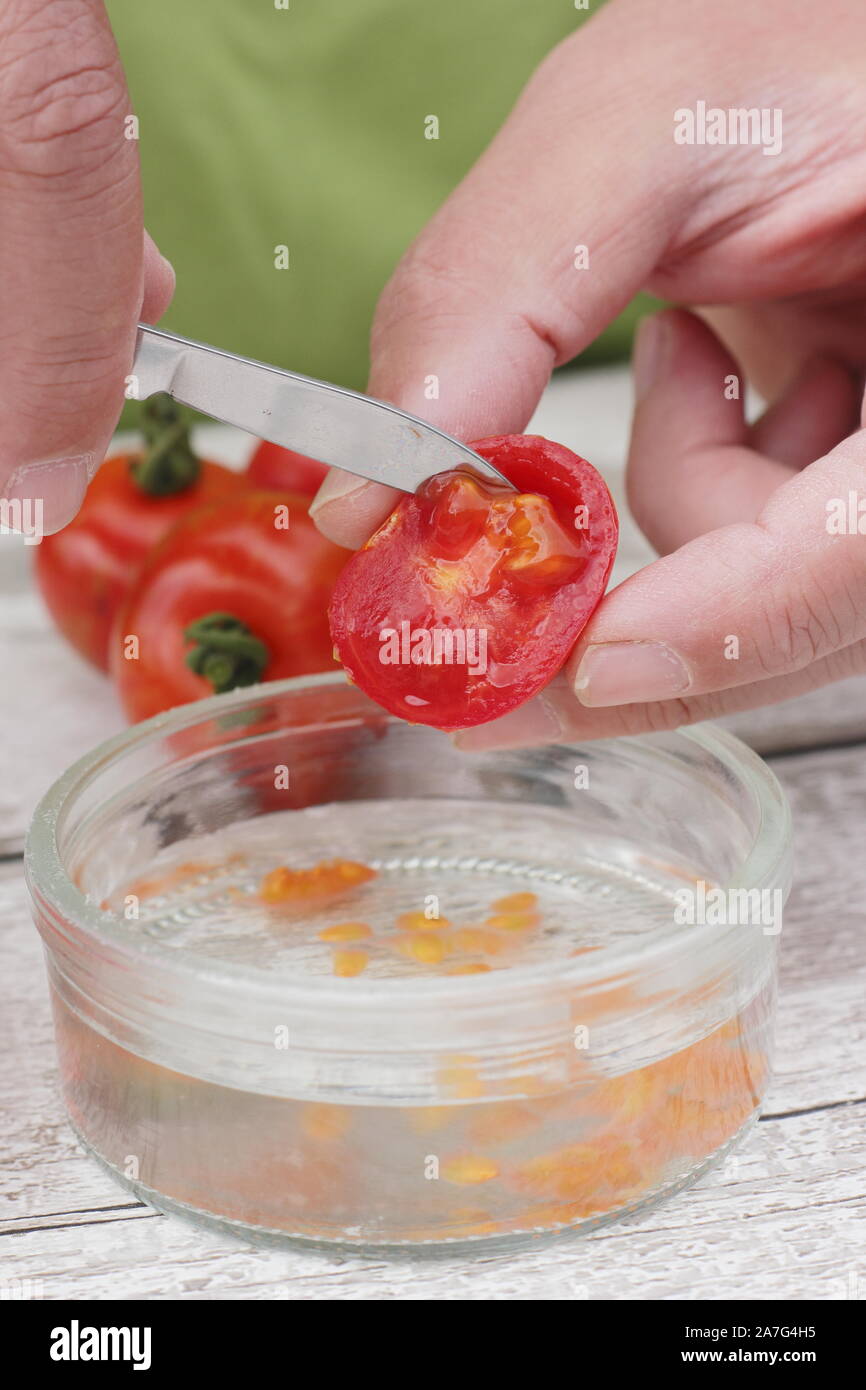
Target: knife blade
(339,427)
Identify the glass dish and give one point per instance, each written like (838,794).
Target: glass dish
(552,1003)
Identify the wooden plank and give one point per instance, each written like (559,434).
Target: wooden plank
(783,1219)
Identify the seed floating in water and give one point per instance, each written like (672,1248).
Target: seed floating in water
(513,921)
(349,963)
(469,1168)
(419,921)
(346,931)
(516,902)
(427,949)
(330,878)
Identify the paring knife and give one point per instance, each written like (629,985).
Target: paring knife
(338,427)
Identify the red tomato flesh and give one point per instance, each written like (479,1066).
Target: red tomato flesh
(469,598)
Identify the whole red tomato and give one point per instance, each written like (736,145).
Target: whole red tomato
(276,469)
(86,570)
(468,599)
(236,593)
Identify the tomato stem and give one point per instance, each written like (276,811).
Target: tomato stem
(225,652)
(168,464)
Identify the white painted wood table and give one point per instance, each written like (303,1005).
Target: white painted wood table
(784,1218)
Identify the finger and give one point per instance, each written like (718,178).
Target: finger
(774,339)
(159,282)
(818,409)
(555,715)
(520,270)
(347,509)
(690,467)
(741,604)
(70,249)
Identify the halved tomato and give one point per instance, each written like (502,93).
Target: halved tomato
(469,598)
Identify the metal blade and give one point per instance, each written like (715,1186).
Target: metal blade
(339,427)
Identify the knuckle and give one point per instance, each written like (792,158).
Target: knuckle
(56,126)
(424,287)
(81,367)
(62,97)
(801,630)
(662,716)
(656,717)
(81,372)
(439,293)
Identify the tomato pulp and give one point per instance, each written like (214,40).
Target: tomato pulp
(470,596)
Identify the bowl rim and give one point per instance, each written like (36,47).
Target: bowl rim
(767,863)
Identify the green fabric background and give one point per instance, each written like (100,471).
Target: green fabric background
(305,127)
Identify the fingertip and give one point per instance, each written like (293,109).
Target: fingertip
(348,509)
(41,498)
(675,348)
(628,673)
(159,282)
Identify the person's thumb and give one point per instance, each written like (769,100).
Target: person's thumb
(71,252)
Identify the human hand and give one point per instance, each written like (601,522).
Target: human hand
(77,270)
(757,597)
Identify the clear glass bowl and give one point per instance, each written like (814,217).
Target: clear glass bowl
(545,1042)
